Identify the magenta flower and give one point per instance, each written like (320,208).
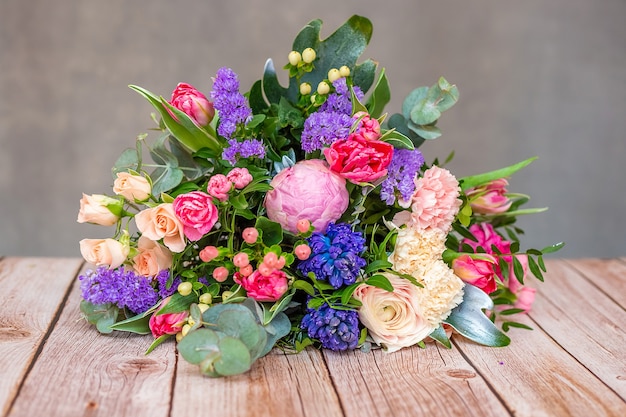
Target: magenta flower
(196,212)
(490,198)
(169,323)
(480,272)
(193,103)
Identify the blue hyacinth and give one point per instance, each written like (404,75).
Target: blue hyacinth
(335,329)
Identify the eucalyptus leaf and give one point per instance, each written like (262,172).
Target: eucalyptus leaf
(102,315)
(439,334)
(198,344)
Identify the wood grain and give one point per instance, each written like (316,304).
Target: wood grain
(32,291)
(278,385)
(612,273)
(81,372)
(411,382)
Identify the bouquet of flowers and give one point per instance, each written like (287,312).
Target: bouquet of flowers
(304,215)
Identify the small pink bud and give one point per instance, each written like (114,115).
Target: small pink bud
(241,259)
(303,225)
(246,270)
(265,270)
(250,235)
(208,253)
(303,252)
(220,274)
(270,260)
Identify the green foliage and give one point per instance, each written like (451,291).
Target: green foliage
(102,315)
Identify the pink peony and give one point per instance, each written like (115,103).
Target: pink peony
(307,190)
(219,186)
(193,103)
(264,288)
(435,201)
(240,177)
(196,212)
(358,159)
(169,323)
(480,273)
(490,198)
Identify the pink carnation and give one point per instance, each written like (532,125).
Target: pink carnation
(264,288)
(219,186)
(435,202)
(196,212)
(240,177)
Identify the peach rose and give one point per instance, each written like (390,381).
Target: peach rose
(394,319)
(104,252)
(132,187)
(99,209)
(160,222)
(151,258)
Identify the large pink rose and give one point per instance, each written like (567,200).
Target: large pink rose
(151,257)
(197,213)
(161,222)
(435,201)
(480,273)
(308,190)
(169,323)
(490,198)
(358,159)
(193,103)
(264,288)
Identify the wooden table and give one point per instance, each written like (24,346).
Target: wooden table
(52,363)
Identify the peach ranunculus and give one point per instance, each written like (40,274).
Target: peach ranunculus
(132,187)
(394,319)
(104,252)
(99,209)
(160,222)
(151,257)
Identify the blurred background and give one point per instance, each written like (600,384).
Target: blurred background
(536,78)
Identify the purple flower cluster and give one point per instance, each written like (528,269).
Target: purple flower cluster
(335,329)
(245,149)
(401,173)
(341,100)
(230,104)
(335,255)
(118,286)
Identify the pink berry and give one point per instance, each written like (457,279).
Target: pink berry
(246,271)
(270,260)
(265,270)
(303,225)
(220,274)
(241,259)
(280,263)
(208,253)
(250,235)
(303,252)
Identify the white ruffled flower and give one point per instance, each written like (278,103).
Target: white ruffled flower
(417,249)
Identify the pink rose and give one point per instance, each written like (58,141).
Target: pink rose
(151,257)
(132,187)
(307,190)
(435,201)
(104,252)
(219,186)
(480,273)
(525,298)
(161,222)
(196,212)
(368,129)
(240,177)
(193,103)
(490,198)
(169,323)
(486,237)
(359,160)
(264,288)
(99,209)
(393,319)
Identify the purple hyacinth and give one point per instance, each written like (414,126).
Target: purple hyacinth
(231,105)
(118,286)
(323,128)
(335,255)
(335,329)
(245,149)
(401,173)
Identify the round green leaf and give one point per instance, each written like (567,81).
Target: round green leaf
(235,358)
(199,345)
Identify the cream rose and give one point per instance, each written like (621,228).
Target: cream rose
(96,209)
(104,252)
(132,187)
(152,257)
(394,319)
(160,222)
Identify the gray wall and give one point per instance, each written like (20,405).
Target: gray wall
(545,78)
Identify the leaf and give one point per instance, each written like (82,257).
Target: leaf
(380,96)
(412,99)
(439,334)
(102,315)
(128,160)
(398,140)
(377,265)
(303,285)
(137,324)
(425,112)
(427,132)
(469,319)
(380,281)
(272,231)
(157,342)
(534,268)
(553,248)
(476,180)
(346,293)
(198,344)
(178,303)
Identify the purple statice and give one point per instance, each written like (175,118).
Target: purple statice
(401,173)
(161,278)
(245,149)
(335,329)
(231,105)
(341,101)
(118,286)
(335,255)
(323,128)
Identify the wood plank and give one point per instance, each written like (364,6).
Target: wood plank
(81,372)
(278,385)
(411,382)
(536,377)
(32,291)
(580,318)
(607,274)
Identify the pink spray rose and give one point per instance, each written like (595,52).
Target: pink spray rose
(168,323)
(307,190)
(480,273)
(193,103)
(264,288)
(240,177)
(358,159)
(369,129)
(486,237)
(490,198)
(219,186)
(104,252)
(151,257)
(132,187)
(525,295)
(196,212)
(99,209)
(161,222)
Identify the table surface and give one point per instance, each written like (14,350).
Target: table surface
(572,364)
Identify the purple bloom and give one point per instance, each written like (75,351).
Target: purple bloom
(335,329)
(230,104)
(244,149)
(401,173)
(335,255)
(118,286)
(323,128)
(341,101)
